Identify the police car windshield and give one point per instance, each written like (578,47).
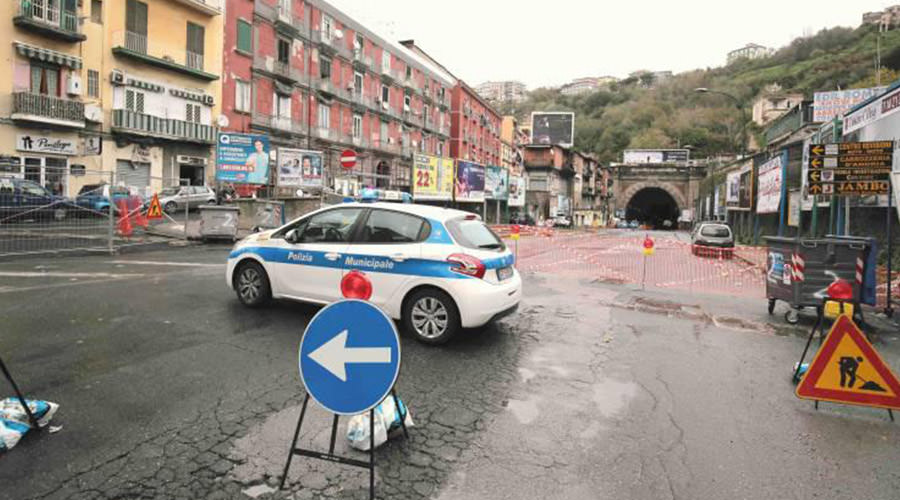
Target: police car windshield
(472,233)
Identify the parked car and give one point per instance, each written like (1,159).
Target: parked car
(712,238)
(174,199)
(622,224)
(98,198)
(634,224)
(522,220)
(562,221)
(23,200)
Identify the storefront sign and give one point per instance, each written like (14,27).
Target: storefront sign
(242,158)
(516,191)
(299,167)
(140,154)
(469,182)
(794,209)
(432,178)
(496,183)
(872,112)
(43,144)
(770,179)
(92,146)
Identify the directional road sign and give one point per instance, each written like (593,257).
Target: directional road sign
(852,148)
(849,188)
(852,168)
(349,357)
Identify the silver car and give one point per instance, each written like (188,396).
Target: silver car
(174,199)
(713,239)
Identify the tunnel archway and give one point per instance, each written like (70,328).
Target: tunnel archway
(653,206)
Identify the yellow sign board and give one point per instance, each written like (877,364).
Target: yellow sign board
(433,178)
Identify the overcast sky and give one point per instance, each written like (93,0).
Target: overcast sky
(545,43)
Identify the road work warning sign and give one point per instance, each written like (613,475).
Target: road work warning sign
(847,369)
(154,211)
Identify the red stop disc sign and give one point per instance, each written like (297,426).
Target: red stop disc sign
(648,243)
(356,285)
(515,229)
(348,158)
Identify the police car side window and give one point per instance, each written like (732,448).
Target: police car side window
(384,226)
(333,226)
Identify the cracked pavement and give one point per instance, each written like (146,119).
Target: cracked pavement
(170,389)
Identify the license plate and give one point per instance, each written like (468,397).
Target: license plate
(504,273)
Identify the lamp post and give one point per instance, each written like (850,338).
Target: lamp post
(740,107)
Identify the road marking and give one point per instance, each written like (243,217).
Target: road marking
(157,263)
(33,274)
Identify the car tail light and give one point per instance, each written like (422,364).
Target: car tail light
(466,264)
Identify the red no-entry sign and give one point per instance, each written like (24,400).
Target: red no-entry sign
(348,158)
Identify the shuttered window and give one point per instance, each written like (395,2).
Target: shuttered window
(195,34)
(244,36)
(136,17)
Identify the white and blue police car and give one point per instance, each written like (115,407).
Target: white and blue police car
(434,269)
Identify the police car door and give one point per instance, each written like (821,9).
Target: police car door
(311,266)
(388,250)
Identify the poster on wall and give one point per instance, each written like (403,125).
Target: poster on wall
(469,182)
(516,191)
(733,190)
(496,183)
(432,178)
(299,168)
(834,103)
(242,158)
(770,179)
(794,208)
(745,190)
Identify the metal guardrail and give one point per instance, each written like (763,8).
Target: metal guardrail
(144,124)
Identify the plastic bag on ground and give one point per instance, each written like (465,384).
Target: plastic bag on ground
(14,421)
(387,419)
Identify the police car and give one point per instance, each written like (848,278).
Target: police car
(434,269)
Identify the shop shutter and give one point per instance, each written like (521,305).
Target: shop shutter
(132,174)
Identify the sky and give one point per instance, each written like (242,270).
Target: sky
(545,43)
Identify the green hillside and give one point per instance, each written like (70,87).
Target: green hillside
(670,113)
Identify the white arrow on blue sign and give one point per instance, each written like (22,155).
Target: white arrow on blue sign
(349,357)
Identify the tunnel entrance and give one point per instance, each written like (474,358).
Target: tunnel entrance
(653,206)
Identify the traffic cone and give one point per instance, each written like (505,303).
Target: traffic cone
(139,218)
(124,225)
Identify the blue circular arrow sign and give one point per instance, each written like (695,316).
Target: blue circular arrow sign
(349,357)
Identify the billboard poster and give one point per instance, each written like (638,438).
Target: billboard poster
(299,167)
(242,158)
(432,178)
(496,183)
(745,194)
(794,208)
(872,112)
(770,179)
(469,182)
(829,105)
(733,189)
(516,191)
(553,128)
(655,156)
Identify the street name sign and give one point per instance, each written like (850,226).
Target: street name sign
(847,369)
(349,357)
(853,168)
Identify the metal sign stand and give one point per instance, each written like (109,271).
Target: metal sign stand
(330,456)
(19,396)
(889,310)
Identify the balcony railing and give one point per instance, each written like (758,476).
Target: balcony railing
(194,60)
(359,141)
(45,16)
(130,122)
(361,59)
(271,122)
(387,146)
(209,7)
(47,109)
(281,17)
(161,53)
(136,42)
(413,119)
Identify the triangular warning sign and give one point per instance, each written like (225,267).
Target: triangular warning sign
(847,369)
(154,211)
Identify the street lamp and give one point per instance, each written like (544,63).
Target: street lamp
(740,107)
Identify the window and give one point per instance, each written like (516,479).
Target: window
(358,83)
(324,116)
(384,133)
(327,27)
(242,96)
(282,106)
(358,43)
(385,94)
(385,60)
(192,113)
(333,226)
(357,126)
(408,71)
(325,67)
(284,51)
(422,145)
(134,101)
(440,148)
(97,11)
(93,83)
(244,36)
(45,79)
(136,26)
(384,226)
(195,36)
(406,100)
(425,112)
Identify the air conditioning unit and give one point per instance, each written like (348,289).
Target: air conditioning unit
(384,105)
(93,113)
(117,77)
(405,108)
(208,100)
(73,86)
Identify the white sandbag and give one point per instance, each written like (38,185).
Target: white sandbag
(14,421)
(387,419)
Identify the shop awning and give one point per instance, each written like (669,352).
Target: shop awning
(47,55)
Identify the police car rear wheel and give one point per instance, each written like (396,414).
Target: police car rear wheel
(252,285)
(432,316)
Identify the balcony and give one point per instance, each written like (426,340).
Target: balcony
(327,87)
(140,48)
(330,43)
(47,109)
(276,123)
(208,7)
(362,61)
(359,142)
(283,20)
(129,122)
(41,17)
(412,119)
(387,146)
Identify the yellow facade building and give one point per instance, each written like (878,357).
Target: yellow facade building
(118,91)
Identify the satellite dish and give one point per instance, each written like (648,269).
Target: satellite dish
(299,193)
(338,34)
(222,121)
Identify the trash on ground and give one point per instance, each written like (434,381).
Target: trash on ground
(14,421)
(387,419)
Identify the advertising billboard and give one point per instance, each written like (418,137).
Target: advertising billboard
(733,189)
(770,179)
(496,183)
(553,128)
(654,156)
(432,178)
(745,193)
(299,167)
(242,158)
(469,182)
(516,191)
(828,105)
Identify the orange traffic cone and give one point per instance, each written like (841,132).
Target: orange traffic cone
(139,218)
(124,225)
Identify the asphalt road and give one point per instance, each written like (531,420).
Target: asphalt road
(170,389)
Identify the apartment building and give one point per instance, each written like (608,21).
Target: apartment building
(508,91)
(513,140)
(749,51)
(551,171)
(113,91)
(309,76)
(580,86)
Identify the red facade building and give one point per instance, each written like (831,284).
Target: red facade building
(474,127)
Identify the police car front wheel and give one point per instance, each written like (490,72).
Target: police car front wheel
(431,315)
(252,285)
